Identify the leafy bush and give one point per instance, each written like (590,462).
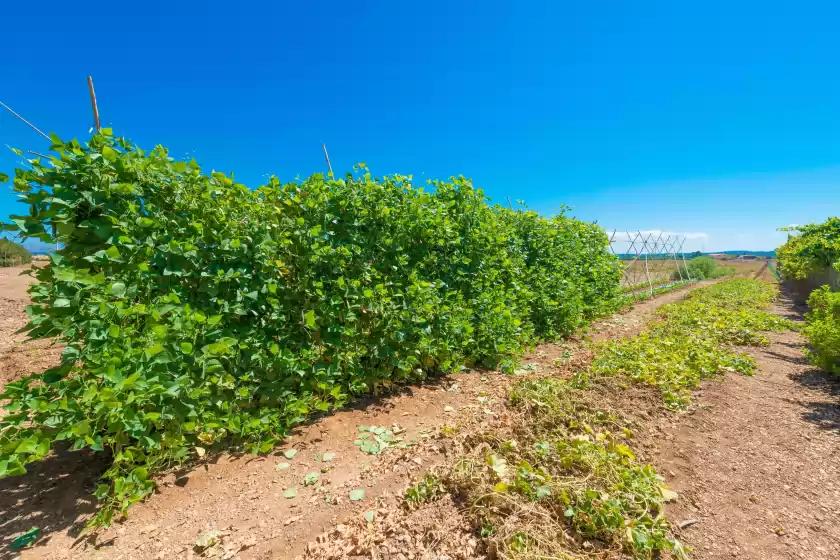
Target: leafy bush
(198,313)
(690,343)
(13,254)
(704,268)
(823,329)
(816,247)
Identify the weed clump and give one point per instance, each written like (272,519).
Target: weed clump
(565,479)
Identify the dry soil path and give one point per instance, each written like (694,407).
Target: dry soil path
(757,465)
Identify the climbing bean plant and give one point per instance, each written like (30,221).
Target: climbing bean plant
(198,313)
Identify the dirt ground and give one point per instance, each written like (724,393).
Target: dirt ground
(16,357)
(757,464)
(243,496)
(782,424)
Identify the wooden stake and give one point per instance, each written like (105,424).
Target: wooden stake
(39,154)
(509,204)
(327,157)
(32,126)
(93,103)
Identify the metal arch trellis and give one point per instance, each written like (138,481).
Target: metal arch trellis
(651,260)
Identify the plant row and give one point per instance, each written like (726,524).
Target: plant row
(13,254)
(692,340)
(200,314)
(813,248)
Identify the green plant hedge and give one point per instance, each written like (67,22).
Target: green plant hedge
(822,329)
(199,313)
(817,246)
(703,268)
(13,254)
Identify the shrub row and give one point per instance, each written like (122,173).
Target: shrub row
(822,329)
(703,268)
(198,313)
(816,247)
(13,254)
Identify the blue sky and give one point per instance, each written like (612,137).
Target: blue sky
(718,119)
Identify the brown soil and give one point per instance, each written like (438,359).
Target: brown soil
(242,497)
(18,357)
(757,465)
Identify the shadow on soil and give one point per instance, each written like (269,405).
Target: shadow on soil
(824,409)
(56,495)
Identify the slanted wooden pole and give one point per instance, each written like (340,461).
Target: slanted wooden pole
(93,104)
(327,157)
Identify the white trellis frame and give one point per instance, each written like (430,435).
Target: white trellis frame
(650,259)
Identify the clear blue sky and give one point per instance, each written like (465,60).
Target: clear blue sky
(719,118)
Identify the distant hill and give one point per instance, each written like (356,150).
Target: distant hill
(740,253)
(768,254)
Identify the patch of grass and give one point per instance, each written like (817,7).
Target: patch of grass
(692,341)
(566,477)
(428,489)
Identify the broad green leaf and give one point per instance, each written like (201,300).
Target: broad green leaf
(310,478)
(109,154)
(26,538)
(357,495)
(153,351)
(290,493)
(118,288)
(290,453)
(309,317)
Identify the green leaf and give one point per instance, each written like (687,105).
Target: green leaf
(369,515)
(214,320)
(114,331)
(357,495)
(310,478)
(290,453)
(328,456)
(186,347)
(309,318)
(153,351)
(282,466)
(26,539)
(290,493)
(61,302)
(109,154)
(113,253)
(118,288)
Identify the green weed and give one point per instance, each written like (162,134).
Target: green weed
(569,467)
